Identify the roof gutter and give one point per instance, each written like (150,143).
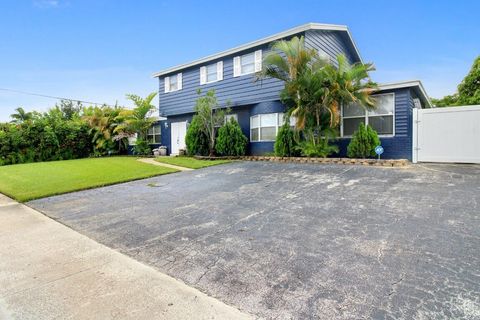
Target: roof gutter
(408,84)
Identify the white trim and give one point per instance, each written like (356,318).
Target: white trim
(179,81)
(260,126)
(449,109)
(277,36)
(366,116)
(166,84)
(230,115)
(240,58)
(155,133)
(415,136)
(407,84)
(236,66)
(205,71)
(203,75)
(257,60)
(219,70)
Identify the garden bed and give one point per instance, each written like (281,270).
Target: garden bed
(365,162)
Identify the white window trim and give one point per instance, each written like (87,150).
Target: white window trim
(257,63)
(277,126)
(366,116)
(231,115)
(155,134)
(204,69)
(167,83)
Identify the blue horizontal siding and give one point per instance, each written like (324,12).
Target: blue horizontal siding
(400,145)
(396,147)
(330,42)
(243,90)
(236,91)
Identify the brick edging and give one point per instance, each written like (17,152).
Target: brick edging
(365,162)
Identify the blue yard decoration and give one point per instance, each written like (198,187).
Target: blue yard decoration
(379,151)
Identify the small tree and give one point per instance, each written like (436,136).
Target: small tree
(285,144)
(469,88)
(468,92)
(231,141)
(195,139)
(363,143)
(210,116)
(137,121)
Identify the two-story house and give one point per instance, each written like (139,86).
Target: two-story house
(256,106)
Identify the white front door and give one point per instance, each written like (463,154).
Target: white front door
(178,132)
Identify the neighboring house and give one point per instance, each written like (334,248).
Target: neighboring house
(256,105)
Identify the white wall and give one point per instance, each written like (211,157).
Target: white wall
(447,134)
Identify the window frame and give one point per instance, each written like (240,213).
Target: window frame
(277,126)
(231,115)
(366,116)
(171,82)
(253,63)
(159,133)
(215,66)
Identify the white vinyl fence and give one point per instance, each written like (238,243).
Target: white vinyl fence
(447,134)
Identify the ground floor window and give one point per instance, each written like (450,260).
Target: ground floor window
(230,116)
(264,127)
(381,119)
(154,134)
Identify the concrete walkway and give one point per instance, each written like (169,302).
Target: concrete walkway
(152,161)
(48,271)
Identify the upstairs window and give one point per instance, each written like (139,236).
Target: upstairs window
(248,63)
(211,73)
(173,83)
(154,134)
(381,119)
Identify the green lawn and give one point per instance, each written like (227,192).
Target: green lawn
(30,181)
(189,162)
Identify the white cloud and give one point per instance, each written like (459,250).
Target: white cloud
(49,3)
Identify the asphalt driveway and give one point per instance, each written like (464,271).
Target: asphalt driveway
(301,241)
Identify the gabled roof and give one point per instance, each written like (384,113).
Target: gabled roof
(277,36)
(415,84)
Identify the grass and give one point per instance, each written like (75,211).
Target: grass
(30,181)
(189,162)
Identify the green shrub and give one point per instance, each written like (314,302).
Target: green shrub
(196,140)
(45,138)
(285,144)
(363,143)
(317,145)
(142,147)
(230,140)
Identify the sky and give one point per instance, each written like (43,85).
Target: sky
(100,50)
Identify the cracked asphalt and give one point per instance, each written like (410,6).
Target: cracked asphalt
(301,241)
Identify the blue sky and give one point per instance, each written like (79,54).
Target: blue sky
(100,50)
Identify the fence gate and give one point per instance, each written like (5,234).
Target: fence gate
(447,134)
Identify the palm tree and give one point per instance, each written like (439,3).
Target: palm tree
(21,115)
(314,87)
(289,61)
(139,119)
(102,123)
(347,84)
